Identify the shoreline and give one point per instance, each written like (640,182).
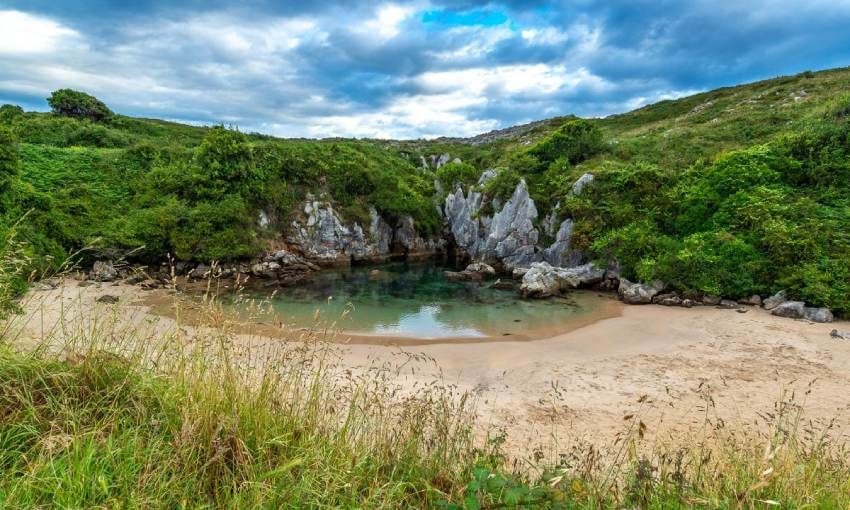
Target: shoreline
(663,364)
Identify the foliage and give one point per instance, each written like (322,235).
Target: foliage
(456,173)
(577,141)
(73,103)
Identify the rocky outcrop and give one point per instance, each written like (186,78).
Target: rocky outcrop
(512,235)
(463,221)
(322,236)
(543,280)
(560,253)
(638,293)
(584,181)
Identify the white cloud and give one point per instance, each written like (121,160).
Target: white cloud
(531,79)
(387,21)
(26,34)
(544,36)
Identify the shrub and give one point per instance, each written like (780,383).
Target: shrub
(456,173)
(577,140)
(73,103)
(8,112)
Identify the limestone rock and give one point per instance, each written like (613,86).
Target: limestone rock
(638,293)
(790,309)
(843,335)
(481,268)
(818,314)
(754,300)
(513,237)
(543,280)
(775,300)
(582,182)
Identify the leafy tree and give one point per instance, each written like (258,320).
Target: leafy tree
(9,112)
(73,103)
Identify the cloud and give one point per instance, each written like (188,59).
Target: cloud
(28,35)
(403,68)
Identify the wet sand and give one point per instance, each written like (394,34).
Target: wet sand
(678,369)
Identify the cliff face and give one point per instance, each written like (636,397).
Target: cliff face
(510,237)
(324,238)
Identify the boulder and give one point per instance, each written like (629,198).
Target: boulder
(107,299)
(728,304)
(668,300)
(754,300)
(818,314)
(519,272)
(790,309)
(103,271)
(481,268)
(638,293)
(843,335)
(710,300)
(541,280)
(775,300)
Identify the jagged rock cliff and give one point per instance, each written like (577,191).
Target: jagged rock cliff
(321,236)
(510,236)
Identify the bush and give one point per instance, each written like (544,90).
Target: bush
(457,174)
(73,103)
(577,140)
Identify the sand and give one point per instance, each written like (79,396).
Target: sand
(674,368)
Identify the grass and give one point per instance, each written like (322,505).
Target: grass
(102,411)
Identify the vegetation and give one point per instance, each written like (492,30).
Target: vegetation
(73,103)
(100,413)
(735,191)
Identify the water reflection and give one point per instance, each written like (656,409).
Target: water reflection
(415,300)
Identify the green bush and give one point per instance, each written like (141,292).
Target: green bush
(577,141)
(455,174)
(73,103)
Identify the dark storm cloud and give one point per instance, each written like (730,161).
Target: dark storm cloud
(405,68)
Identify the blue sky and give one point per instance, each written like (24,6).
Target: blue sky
(403,69)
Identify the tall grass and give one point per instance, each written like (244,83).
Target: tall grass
(107,412)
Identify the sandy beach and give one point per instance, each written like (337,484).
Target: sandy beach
(677,369)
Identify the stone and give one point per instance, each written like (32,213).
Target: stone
(754,300)
(818,314)
(543,280)
(487,175)
(519,272)
(728,304)
(790,309)
(108,299)
(481,268)
(103,271)
(512,236)
(775,300)
(667,300)
(560,254)
(150,284)
(842,335)
(638,293)
(711,300)
(582,182)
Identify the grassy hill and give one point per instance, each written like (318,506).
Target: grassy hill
(734,191)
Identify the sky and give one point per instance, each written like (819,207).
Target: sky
(403,69)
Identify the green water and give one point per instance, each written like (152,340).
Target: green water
(416,301)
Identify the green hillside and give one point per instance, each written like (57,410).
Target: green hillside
(735,191)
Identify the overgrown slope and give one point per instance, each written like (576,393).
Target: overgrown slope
(734,191)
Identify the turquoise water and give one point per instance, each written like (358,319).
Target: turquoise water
(416,301)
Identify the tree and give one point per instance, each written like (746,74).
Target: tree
(577,140)
(73,103)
